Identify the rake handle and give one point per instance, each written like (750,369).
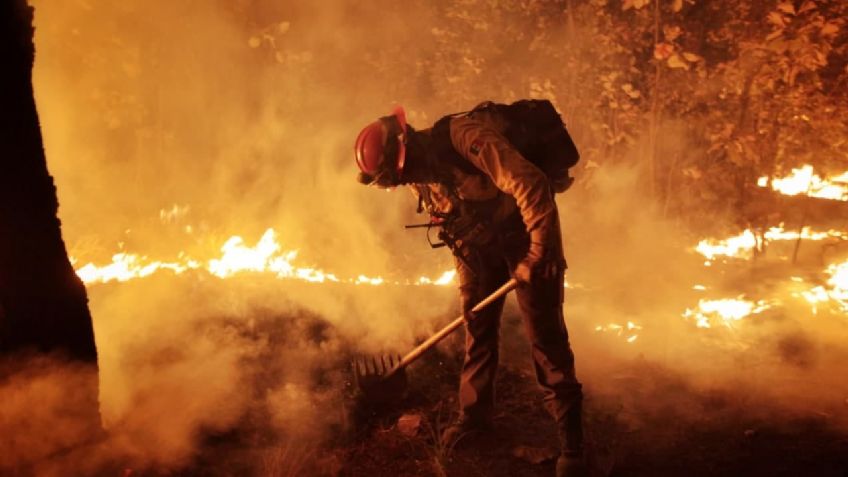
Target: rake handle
(449,328)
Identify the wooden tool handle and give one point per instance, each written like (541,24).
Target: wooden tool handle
(441,334)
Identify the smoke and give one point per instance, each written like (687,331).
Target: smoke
(638,267)
(40,394)
(241,116)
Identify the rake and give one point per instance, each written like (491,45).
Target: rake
(383,379)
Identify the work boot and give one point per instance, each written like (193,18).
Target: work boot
(571,464)
(463,429)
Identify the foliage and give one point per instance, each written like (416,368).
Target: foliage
(702,96)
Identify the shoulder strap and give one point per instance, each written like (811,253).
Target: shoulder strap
(444,150)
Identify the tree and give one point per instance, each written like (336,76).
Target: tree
(45,324)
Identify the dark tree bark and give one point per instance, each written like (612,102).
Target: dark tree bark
(43,304)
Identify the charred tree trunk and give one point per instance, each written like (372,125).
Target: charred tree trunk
(44,316)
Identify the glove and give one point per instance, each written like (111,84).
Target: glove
(536,265)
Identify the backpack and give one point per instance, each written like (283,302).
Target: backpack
(534,128)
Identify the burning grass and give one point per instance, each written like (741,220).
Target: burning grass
(276,373)
(266,257)
(258,337)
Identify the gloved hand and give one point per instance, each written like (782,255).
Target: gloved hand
(536,265)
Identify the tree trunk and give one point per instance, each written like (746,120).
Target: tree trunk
(45,324)
(654,120)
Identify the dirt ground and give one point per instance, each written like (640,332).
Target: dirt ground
(642,418)
(627,435)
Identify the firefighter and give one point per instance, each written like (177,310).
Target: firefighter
(497,213)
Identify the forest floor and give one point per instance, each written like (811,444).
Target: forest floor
(713,433)
(628,435)
(645,415)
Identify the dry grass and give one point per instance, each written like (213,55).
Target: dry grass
(288,459)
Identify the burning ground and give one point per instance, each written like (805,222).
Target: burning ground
(235,267)
(708,362)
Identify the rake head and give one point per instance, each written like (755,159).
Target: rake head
(379,379)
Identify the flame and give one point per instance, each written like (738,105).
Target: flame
(370,281)
(263,257)
(743,245)
(174,214)
(775,234)
(804,181)
(737,246)
(126,266)
(724,311)
(815,296)
(445,279)
(266,256)
(836,289)
(629,330)
(839,283)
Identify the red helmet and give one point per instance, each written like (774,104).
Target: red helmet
(386,135)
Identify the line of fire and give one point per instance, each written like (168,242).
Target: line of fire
(448,238)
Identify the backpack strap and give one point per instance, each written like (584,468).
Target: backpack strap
(444,150)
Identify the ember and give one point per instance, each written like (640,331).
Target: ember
(628,331)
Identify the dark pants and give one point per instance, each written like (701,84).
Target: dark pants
(481,271)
